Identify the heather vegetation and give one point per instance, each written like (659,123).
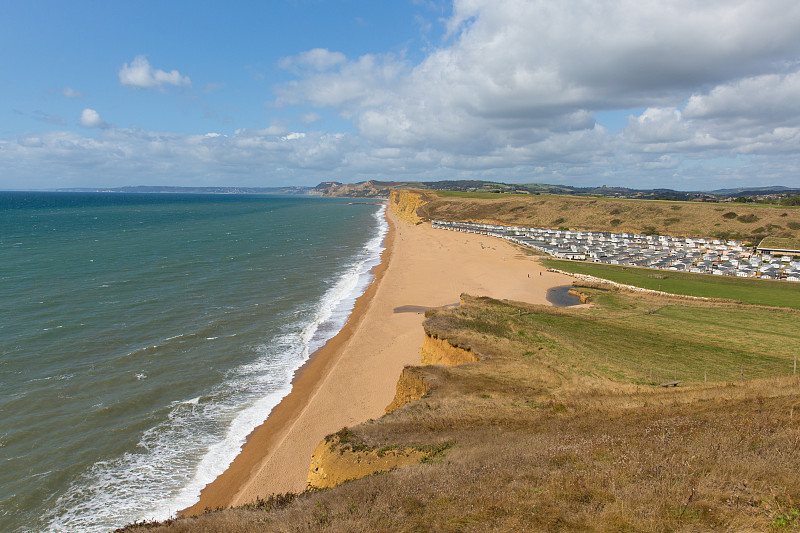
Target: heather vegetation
(562,426)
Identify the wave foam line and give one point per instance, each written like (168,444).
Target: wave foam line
(202,436)
(329,318)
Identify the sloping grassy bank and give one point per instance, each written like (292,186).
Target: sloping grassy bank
(750,222)
(561,426)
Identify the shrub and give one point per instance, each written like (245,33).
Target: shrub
(791,200)
(793,225)
(747,219)
(729,215)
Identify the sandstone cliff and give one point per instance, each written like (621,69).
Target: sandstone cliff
(404,204)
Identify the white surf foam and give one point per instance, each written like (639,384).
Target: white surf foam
(201,436)
(332,312)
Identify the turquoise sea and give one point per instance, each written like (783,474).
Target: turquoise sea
(142,337)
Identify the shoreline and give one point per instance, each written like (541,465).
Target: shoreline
(353,377)
(267,436)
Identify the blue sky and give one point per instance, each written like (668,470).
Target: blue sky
(294,92)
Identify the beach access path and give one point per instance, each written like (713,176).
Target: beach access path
(353,377)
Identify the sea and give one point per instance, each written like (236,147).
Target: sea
(144,336)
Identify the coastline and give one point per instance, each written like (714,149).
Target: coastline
(269,434)
(352,378)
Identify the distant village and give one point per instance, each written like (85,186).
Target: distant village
(685,254)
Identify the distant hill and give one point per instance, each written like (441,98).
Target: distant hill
(749,222)
(374,188)
(380,189)
(754,191)
(158,189)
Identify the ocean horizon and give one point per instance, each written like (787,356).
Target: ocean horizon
(144,336)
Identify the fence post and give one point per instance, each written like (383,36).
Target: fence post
(794,373)
(705,376)
(742,372)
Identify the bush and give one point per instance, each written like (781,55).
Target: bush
(747,219)
(791,200)
(730,215)
(649,230)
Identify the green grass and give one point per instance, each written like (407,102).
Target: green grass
(642,340)
(562,427)
(771,293)
(647,341)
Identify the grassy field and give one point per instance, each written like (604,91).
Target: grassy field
(562,427)
(751,291)
(478,195)
(749,222)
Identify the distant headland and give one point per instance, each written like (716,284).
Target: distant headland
(381,189)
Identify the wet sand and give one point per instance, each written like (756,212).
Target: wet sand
(353,377)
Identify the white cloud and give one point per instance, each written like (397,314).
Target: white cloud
(318,59)
(762,101)
(310,118)
(509,94)
(261,157)
(141,75)
(69,92)
(657,125)
(91,119)
(518,81)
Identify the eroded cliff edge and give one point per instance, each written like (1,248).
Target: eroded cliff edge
(340,457)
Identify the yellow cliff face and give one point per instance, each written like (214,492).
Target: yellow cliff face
(405,203)
(436,351)
(335,461)
(414,384)
(411,386)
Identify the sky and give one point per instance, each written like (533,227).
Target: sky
(676,94)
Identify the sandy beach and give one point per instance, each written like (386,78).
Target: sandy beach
(353,378)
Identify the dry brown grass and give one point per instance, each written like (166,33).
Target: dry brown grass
(540,444)
(748,221)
